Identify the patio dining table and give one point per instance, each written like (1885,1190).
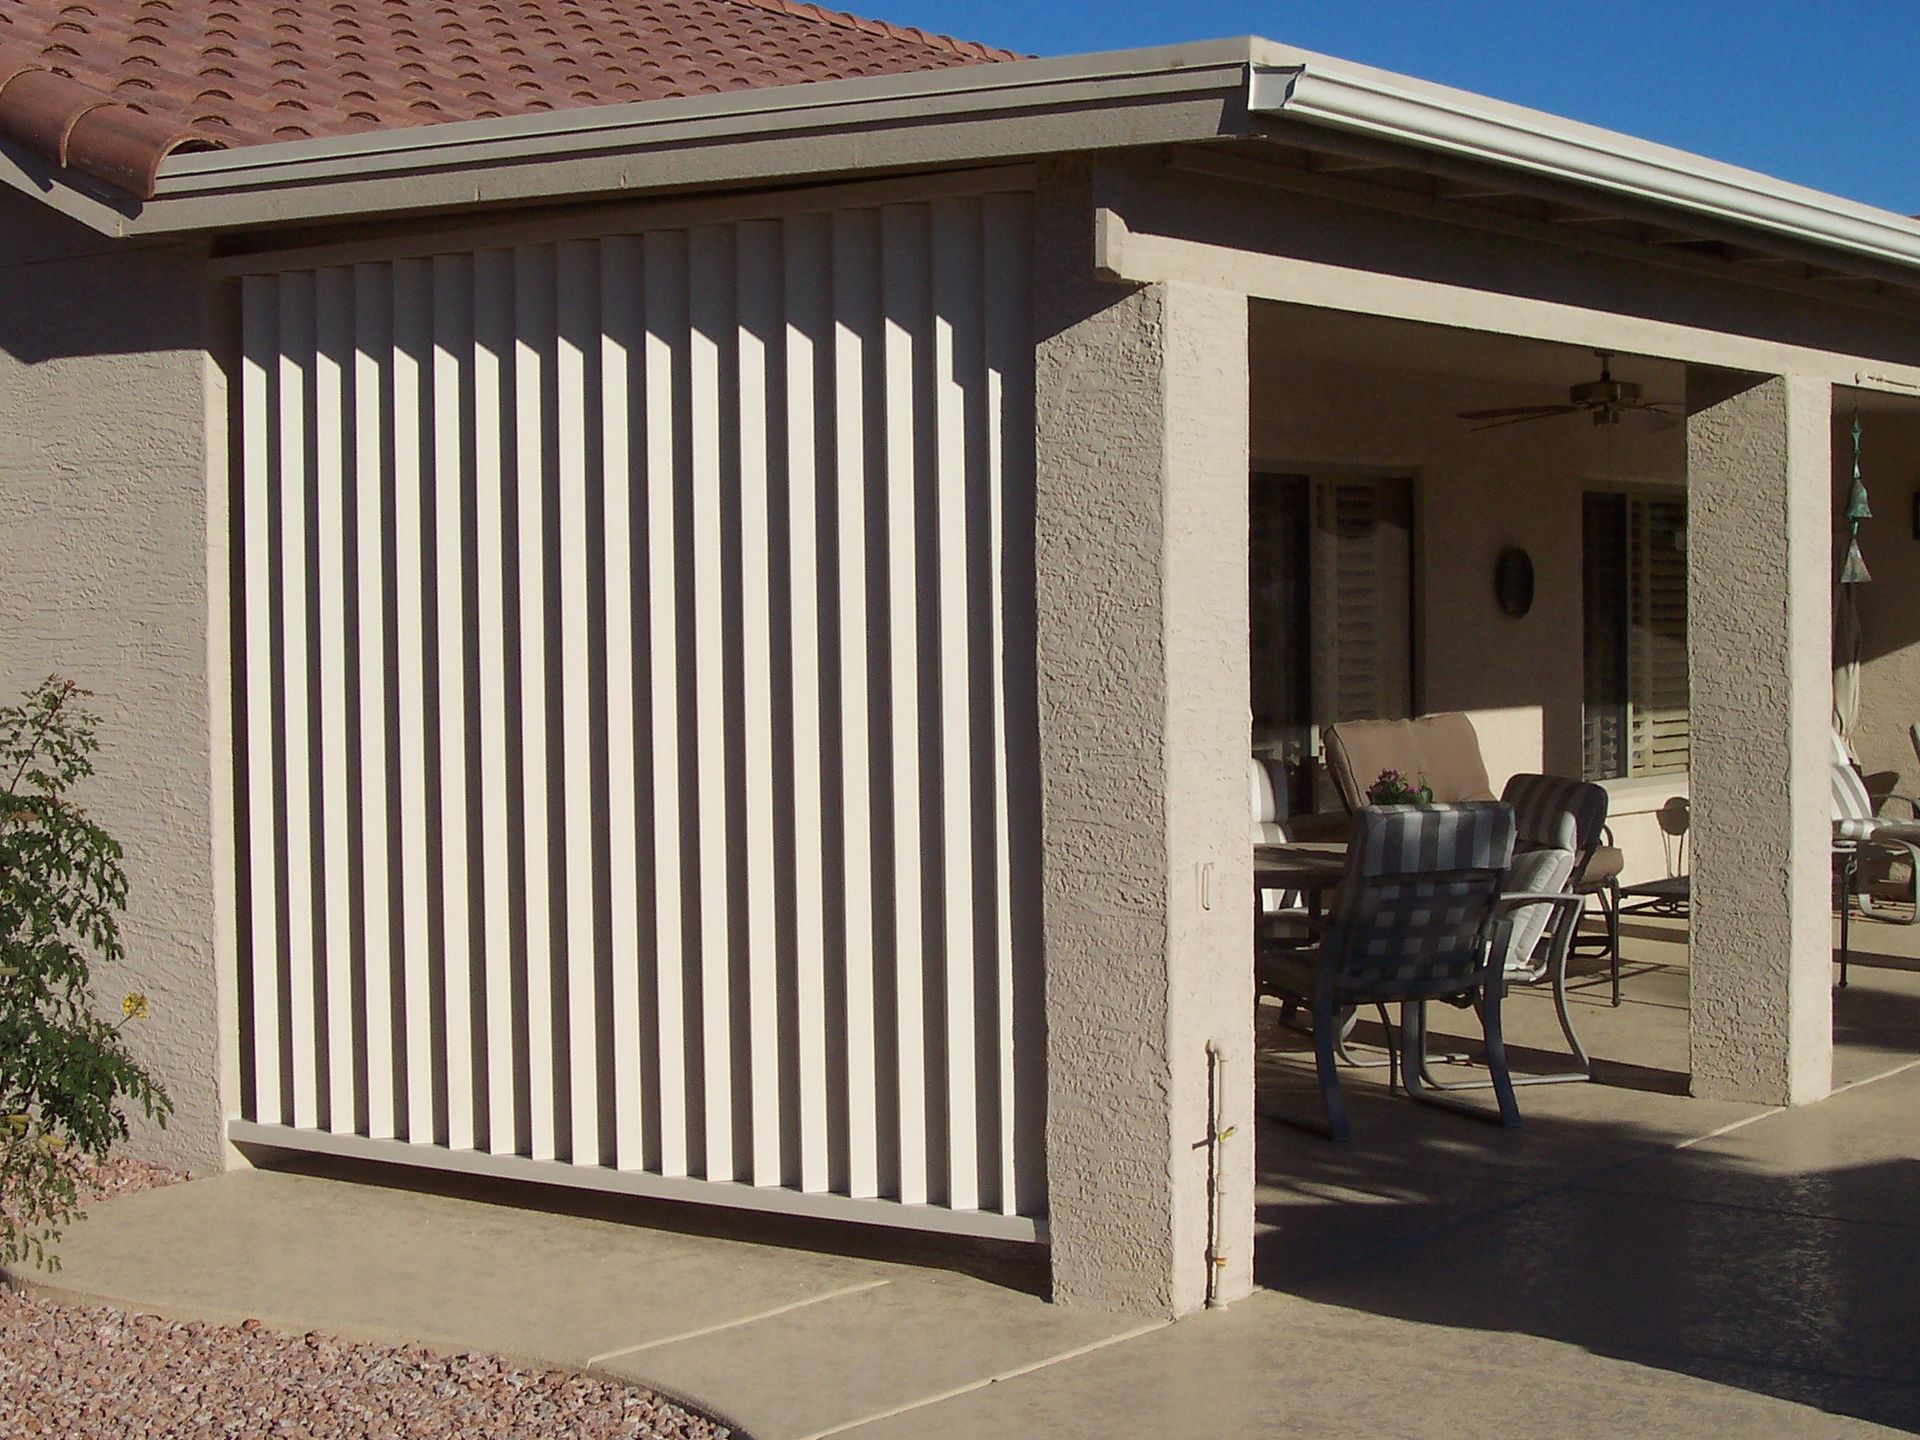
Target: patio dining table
(1311,867)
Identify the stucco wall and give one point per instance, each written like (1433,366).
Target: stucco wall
(1760,958)
(1141,606)
(103,498)
(1475,495)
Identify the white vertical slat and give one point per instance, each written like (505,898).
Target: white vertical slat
(412,342)
(904,286)
(710,288)
(620,310)
(577,267)
(533,318)
(856,304)
(1008,343)
(372,325)
(260,347)
(664,287)
(296,361)
(807,260)
(333,297)
(452,358)
(956,327)
(908,327)
(758,284)
(492,399)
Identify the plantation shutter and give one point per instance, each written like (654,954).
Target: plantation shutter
(1362,600)
(1657,624)
(1604,593)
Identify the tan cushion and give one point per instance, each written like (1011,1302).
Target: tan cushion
(1441,750)
(1606,863)
(1450,750)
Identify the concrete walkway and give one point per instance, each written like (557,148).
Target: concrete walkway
(1593,1309)
(1628,1261)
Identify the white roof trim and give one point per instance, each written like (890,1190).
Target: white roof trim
(962,116)
(1315,90)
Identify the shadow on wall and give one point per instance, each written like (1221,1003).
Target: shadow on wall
(1775,1261)
(67,291)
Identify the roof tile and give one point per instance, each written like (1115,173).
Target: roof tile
(113,87)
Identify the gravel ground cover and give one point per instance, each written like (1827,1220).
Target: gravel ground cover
(103,1374)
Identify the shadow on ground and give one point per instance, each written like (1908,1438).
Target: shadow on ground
(1781,1257)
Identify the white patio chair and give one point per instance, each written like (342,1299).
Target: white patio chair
(1858,831)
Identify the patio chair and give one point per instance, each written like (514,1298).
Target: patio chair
(1418,917)
(1278,916)
(1559,825)
(1444,750)
(1859,831)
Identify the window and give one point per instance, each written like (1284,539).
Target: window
(1331,628)
(1635,592)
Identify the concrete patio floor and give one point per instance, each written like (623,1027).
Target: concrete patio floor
(1629,1259)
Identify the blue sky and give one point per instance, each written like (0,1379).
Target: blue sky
(1823,94)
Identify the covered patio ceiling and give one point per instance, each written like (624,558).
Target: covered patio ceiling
(1358,168)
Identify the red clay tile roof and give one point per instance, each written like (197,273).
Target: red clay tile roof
(110,88)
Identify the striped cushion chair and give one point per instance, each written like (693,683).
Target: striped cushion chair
(1417,918)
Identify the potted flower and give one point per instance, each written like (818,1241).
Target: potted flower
(1393,788)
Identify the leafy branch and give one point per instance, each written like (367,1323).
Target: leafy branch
(67,1080)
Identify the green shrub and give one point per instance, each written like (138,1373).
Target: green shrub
(66,1078)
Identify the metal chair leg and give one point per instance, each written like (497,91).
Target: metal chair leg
(1413,1043)
(1349,1017)
(1849,867)
(1557,1077)
(1497,1057)
(1326,1022)
(1870,906)
(1610,902)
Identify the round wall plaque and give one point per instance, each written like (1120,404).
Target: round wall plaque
(1513,581)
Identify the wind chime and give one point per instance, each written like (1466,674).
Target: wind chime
(1853,570)
(1846,605)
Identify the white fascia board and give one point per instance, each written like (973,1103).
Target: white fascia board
(1300,87)
(965,115)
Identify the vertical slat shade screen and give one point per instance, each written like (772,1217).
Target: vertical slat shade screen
(633,777)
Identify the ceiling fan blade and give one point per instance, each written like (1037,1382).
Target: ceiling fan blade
(1540,413)
(1516,410)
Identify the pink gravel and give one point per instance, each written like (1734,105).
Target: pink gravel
(102,1374)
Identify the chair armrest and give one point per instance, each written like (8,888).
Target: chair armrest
(1519,899)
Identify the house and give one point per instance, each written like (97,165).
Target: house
(670,583)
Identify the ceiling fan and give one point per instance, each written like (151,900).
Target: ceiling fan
(1606,399)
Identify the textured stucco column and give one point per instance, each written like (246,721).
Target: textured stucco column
(1757,547)
(103,524)
(1144,732)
